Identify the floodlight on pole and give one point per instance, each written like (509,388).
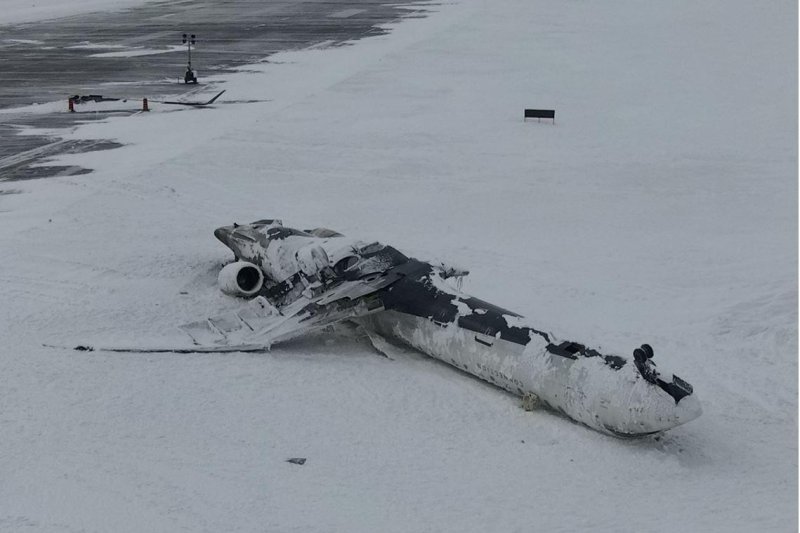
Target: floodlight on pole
(189,40)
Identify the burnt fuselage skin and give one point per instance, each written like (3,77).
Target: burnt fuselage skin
(418,307)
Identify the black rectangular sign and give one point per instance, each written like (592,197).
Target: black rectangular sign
(541,113)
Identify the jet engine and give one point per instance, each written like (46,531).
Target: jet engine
(240,279)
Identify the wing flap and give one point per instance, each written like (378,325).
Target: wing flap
(226,328)
(260,323)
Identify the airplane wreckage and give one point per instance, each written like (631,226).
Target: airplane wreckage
(299,281)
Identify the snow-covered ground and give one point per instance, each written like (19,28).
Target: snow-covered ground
(661,207)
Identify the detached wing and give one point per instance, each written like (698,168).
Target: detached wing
(196,104)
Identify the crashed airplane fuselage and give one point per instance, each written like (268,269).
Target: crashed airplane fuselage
(304,280)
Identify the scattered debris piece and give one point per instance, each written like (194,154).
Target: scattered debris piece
(297,460)
(78,99)
(530,402)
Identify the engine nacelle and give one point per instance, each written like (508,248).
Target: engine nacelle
(241,279)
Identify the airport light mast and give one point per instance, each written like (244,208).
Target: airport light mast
(189,76)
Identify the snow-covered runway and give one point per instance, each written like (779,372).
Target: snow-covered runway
(651,212)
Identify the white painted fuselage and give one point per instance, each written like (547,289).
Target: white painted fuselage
(618,402)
